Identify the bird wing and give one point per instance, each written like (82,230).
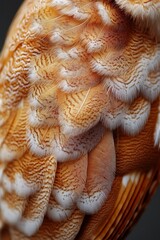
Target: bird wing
(79,81)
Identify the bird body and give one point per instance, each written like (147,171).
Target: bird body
(79,118)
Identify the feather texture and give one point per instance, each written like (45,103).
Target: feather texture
(79,118)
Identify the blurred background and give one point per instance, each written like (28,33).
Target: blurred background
(148,228)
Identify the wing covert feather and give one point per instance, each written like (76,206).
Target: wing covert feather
(79,118)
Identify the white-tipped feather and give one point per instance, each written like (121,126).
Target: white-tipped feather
(134,123)
(147,10)
(151,90)
(93,46)
(33,75)
(78,145)
(33,100)
(65,198)
(58,213)
(125,180)
(29,226)
(56,36)
(7,154)
(36,27)
(35,146)
(126,92)
(102,11)
(91,204)
(22,187)
(72,53)
(76,12)
(33,119)
(7,184)
(11,215)
(134,178)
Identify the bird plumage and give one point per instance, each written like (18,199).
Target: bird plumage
(79,88)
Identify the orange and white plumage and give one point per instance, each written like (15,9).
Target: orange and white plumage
(79,87)
(145,12)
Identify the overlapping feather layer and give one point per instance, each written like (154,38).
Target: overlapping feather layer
(71,73)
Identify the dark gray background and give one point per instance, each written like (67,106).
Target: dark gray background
(148,228)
